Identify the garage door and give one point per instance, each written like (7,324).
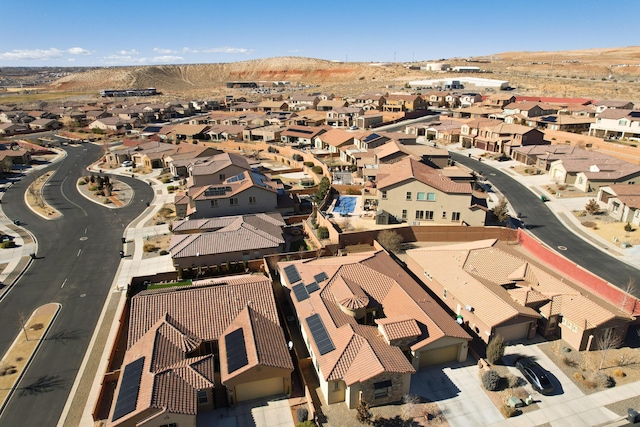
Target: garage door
(438,355)
(257,389)
(514,332)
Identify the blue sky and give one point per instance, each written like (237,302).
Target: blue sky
(116,32)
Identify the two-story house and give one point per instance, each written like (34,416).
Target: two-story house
(414,192)
(616,123)
(404,103)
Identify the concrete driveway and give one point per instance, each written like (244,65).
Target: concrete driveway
(457,390)
(268,412)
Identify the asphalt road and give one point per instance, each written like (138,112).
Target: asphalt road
(545,226)
(78,256)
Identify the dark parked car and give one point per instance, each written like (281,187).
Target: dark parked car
(535,375)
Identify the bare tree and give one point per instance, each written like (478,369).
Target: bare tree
(22,321)
(501,210)
(592,207)
(390,240)
(607,341)
(629,289)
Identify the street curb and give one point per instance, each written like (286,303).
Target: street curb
(33,210)
(31,356)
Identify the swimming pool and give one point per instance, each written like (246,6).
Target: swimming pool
(345,204)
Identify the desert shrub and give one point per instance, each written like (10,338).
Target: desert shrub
(99,193)
(149,247)
(619,373)
(317,170)
(309,164)
(578,376)
(308,423)
(495,349)
(390,240)
(302,414)
(106,201)
(8,244)
(93,188)
(491,380)
(603,380)
(589,224)
(590,384)
(82,182)
(363,414)
(323,233)
(166,180)
(628,228)
(351,191)
(163,252)
(507,411)
(513,381)
(171,188)
(567,361)
(592,207)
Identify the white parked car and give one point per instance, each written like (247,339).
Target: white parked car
(127,163)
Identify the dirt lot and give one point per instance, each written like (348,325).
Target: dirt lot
(609,229)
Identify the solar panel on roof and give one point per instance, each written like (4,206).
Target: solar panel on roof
(236,350)
(312,287)
(320,335)
(236,178)
(300,292)
(320,277)
(292,274)
(129,387)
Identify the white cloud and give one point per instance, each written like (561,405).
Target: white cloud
(128,52)
(167,58)
(71,59)
(31,54)
(123,60)
(78,51)
(227,49)
(163,51)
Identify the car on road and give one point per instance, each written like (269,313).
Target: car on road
(5,238)
(127,163)
(535,374)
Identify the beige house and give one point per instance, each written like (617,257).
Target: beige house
(215,241)
(495,292)
(588,171)
(622,201)
(214,170)
(368,326)
(410,191)
(189,349)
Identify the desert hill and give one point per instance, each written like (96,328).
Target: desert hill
(611,73)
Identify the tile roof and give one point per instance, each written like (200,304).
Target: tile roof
(337,137)
(368,280)
(235,234)
(410,169)
(629,194)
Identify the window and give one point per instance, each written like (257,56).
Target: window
(404,214)
(431,197)
(214,203)
(622,122)
(222,177)
(421,196)
(252,200)
(444,293)
(455,216)
(233,201)
(336,385)
(444,214)
(202,397)
(408,195)
(384,194)
(381,389)
(419,214)
(428,215)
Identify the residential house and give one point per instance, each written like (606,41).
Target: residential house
(589,170)
(616,123)
(404,103)
(246,193)
(114,124)
(412,191)
(541,156)
(303,102)
(499,100)
(494,292)
(475,111)
(503,137)
(44,124)
(301,136)
(622,201)
(468,99)
(343,116)
(186,132)
(436,99)
(267,106)
(442,131)
(330,104)
(393,151)
(529,109)
(370,101)
(613,105)
(334,140)
(262,133)
(193,348)
(8,129)
(213,170)
(470,130)
(225,132)
(309,118)
(368,326)
(214,241)
(562,122)
(368,121)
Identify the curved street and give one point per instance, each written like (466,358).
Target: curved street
(543,224)
(77,258)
